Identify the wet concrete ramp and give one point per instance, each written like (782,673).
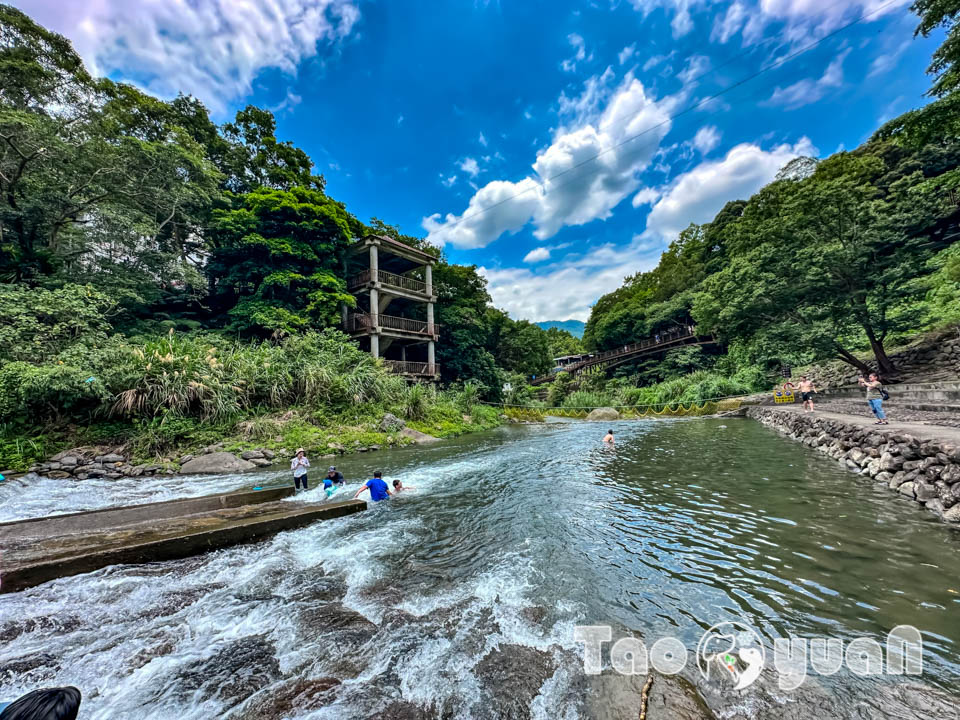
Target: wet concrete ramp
(38,550)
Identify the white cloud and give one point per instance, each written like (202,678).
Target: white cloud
(448,181)
(399,120)
(697,196)
(656,60)
(213,49)
(645,196)
(566,289)
(469,165)
(482,139)
(578,44)
(729,25)
(593,164)
(886,62)
(801,19)
(807,91)
(626,53)
(682,22)
(706,139)
(537,255)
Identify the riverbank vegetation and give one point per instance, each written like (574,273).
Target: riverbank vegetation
(164,278)
(838,258)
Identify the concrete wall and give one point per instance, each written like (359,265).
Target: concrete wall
(926,471)
(91,520)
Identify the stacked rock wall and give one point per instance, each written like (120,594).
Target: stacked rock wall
(925,471)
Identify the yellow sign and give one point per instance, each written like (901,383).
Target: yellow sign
(783,396)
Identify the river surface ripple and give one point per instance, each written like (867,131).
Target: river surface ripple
(510,539)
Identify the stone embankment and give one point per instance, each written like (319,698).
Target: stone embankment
(926,470)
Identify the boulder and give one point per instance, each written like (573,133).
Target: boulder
(185,459)
(216,462)
(952,515)
(418,437)
(925,491)
(268,454)
(252,455)
(213,448)
(950,474)
(69,461)
(58,475)
(890,463)
(907,489)
(391,423)
(111,458)
(605,413)
(261,462)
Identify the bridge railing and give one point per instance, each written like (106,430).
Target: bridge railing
(657,340)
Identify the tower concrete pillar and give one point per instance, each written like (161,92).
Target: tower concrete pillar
(428,278)
(375,345)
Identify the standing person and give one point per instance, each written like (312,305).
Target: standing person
(377,487)
(608,438)
(875,393)
(806,393)
(299,465)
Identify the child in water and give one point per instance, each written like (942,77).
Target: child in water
(608,438)
(399,486)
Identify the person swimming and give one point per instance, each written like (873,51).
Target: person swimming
(398,486)
(608,438)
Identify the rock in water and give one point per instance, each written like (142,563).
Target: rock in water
(513,676)
(603,414)
(418,437)
(216,462)
(391,422)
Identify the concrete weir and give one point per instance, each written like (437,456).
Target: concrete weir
(38,550)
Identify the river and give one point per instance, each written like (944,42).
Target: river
(459,599)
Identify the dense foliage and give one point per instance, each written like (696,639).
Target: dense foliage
(182,223)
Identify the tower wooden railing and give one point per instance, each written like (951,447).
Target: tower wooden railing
(389,280)
(358,322)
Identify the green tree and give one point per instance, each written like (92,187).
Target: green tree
(935,14)
(563,343)
(275,268)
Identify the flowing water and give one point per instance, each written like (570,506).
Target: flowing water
(459,598)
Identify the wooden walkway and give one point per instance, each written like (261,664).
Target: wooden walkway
(646,347)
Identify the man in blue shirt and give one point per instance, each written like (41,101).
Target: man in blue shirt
(377,487)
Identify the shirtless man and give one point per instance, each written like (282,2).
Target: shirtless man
(806,393)
(608,438)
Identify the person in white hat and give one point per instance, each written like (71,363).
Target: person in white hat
(299,465)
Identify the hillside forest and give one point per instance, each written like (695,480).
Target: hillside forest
(167,281)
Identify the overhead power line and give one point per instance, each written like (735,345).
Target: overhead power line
(541,183)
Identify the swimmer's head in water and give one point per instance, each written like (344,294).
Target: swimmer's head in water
(397,483)
(609,432)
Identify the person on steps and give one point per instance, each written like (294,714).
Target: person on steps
(299,465)
(875,397)
(806,393)
(377,487)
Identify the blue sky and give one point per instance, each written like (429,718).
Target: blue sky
(446,118)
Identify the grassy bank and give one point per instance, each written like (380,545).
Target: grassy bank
(163,397)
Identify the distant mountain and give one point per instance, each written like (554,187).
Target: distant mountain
(574,327)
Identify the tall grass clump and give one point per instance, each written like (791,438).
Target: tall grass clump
(213,379)
(588,399)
